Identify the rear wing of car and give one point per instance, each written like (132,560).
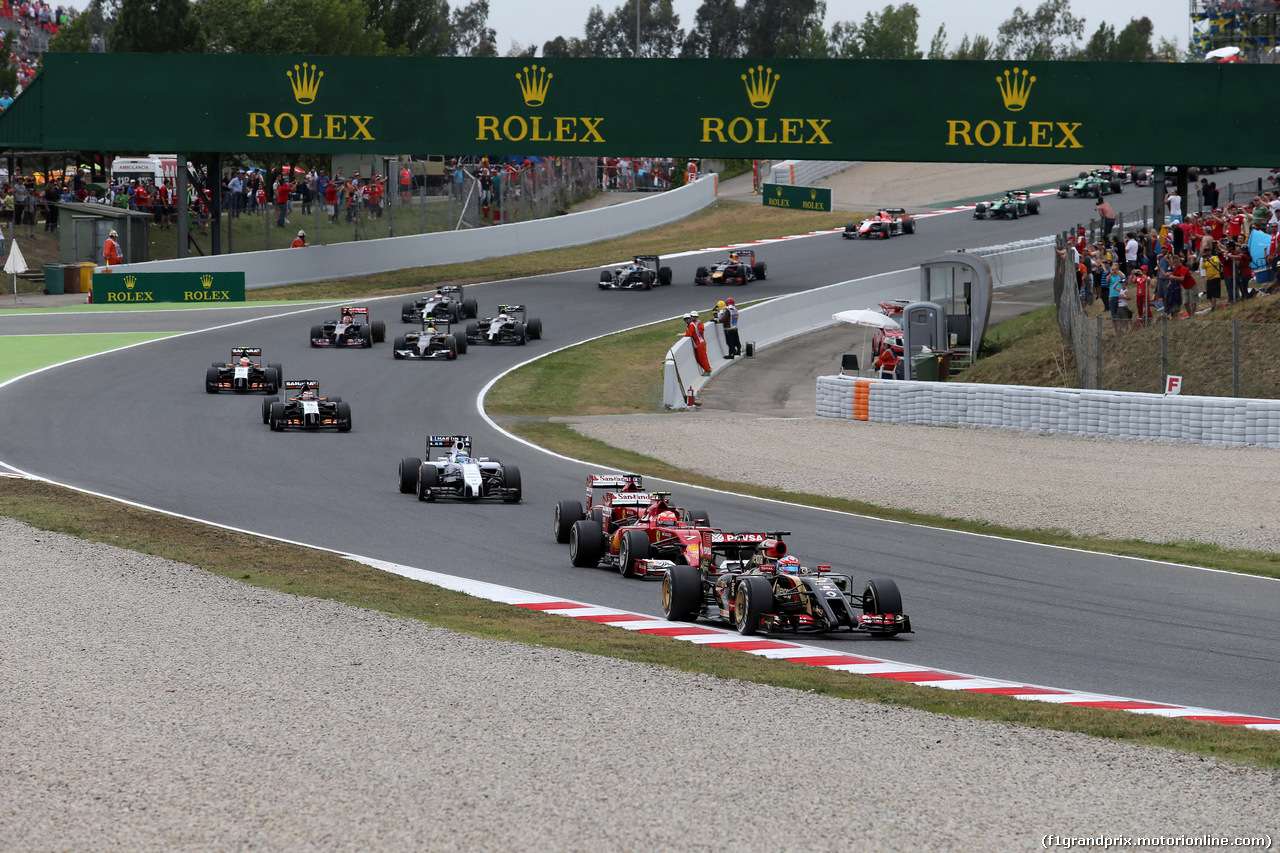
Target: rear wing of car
(511,309)
(450,288)
(617,482)
(449,441)
(896,211)
(746,256)
(436,323)
(651,261)
(355,312)
(246,351)
(301,385)
(626,499)
(744,547)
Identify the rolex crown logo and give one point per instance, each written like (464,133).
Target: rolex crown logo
(1015,88)
(760,83)
(305,81)
(534,82)
(813,194)
(130,281)
(779,191)
(206,280)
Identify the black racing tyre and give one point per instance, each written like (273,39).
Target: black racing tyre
(634,546)
(275,416)
(664,275)
(881,596)
(1013,211)
(760,271)
(470,308)
(979,211)
(397,345)
(908,225)
(462,344)
(408,474)
(606,278)
(752,599)
(586,544)
(279,368)
(699,517)
(406,312)
(455,313)
(428,479)
(473,332)
(567,512)
(699,275)
(334,399)
(521,337)
(1082,175)
(211,380)
(316,332)
(1033,207)
(682,593)
(534,329)
(270,380)
(597,515)
(511,481)
(452,343)
(379,332)
(344,417)
(1193,174)
(267,403)
(366,336)
(1117,187)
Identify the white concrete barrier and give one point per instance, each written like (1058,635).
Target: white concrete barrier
(339,260)
(804,173)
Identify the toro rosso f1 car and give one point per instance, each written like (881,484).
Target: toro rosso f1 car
(889,222)
(511,326)
(659,531)
(458,474)
(434,341)
(244,374)
(643,273)
(445,304)
(756,593)
(352,329)
(739,269)
(306,409)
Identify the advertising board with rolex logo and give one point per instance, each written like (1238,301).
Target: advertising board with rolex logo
(810,109)
(120,287)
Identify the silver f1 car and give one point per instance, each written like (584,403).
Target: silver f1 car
(352,329)
(458,474)
(244,374)
(445,304)
(306,409)
(643,273)
(746,580)
(434,341)
(511,326)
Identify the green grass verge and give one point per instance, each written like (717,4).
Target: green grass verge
(302,571)
(21,354)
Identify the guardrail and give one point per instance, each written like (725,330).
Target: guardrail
(1203,420)
(318,263)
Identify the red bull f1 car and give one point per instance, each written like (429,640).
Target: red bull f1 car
(739,269)
(351,329)
(242,373)
(306,409)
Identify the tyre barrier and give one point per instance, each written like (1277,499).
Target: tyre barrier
(1226,421)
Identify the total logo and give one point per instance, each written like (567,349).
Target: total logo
(1015,91)
(760,84)
(304,80)
(535,85)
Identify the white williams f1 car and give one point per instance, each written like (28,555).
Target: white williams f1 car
(458,474)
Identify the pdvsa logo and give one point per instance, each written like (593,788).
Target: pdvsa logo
(304,81)
(1015,91)
(208,294)
(535,85)
(760,84)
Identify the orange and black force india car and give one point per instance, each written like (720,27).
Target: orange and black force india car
(889,222)
(351,329)
(242,373)
(446,303)
(739,269)
(612,500)
(748,581)
(659,532)
(306,409)
(645,272)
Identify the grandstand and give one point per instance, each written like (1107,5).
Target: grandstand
(1251,26)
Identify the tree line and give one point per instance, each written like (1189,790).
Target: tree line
(720,29)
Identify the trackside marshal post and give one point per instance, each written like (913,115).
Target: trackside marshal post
(121,287)
(797,198)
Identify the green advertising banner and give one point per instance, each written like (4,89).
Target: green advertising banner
(120,286)
(796,198)
(925,110)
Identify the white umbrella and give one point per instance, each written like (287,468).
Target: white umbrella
(866,317)
(15,264)
(1222,53)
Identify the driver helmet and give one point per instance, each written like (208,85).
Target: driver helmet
(431,330)
(244,361)
(789,565)
(308,394)
(503,316)
(666,518)
(733,256)
(461,457)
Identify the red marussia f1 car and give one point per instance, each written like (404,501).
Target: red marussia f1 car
(889,222)
(657,535)
(748,581)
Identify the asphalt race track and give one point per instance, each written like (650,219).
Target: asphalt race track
(137,425)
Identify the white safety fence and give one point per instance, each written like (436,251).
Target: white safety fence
(318,263)
(1205,420)
(803,173)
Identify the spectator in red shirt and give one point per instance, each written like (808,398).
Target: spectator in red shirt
(331,200)
(282,201)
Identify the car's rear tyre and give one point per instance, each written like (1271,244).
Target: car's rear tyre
(316,332)
(406,312)
(597,515)
(761,271)
(428,479)
(682,593)
(567,512)
(334,399)
(279,369)
(379,332)
(409,474)
(511,482)
(586,544)
(267,403)
(344,417)
(473,331)
(700,517)
(462,344)
(1033,207)
(366,336)
(534,328)
(275,417)
(452,343)
(270,380)
(634,546)
(211,380)
(1082,175)
(752,599)
(664,275)
(520,334)
(470,308)
(1117,187)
